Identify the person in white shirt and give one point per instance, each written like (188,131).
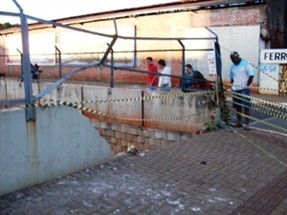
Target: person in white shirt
(241,77)
(164,80)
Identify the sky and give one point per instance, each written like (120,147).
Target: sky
(55,9)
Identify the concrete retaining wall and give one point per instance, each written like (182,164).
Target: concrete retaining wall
(180,113)
(61,141)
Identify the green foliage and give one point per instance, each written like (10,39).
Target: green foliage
(225,112)
(210,126)
(5,25)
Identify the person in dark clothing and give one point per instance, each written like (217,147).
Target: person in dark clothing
(35,70)
(193,79)
(188,77)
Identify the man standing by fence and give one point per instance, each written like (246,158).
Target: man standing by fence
(241,76)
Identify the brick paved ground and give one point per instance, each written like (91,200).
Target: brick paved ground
(214,173)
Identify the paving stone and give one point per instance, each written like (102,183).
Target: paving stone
(213,173)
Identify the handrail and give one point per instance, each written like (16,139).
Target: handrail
(56,24)
(61,80)
(108,51)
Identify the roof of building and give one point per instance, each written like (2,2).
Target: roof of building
(176,6)
(172,7)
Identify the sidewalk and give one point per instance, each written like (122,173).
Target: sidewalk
(222,172)
(272,120)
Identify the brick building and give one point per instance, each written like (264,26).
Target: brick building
(238,25)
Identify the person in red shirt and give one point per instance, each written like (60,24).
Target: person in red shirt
(152,80)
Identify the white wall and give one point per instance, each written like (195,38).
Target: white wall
(61,141)
(243,39)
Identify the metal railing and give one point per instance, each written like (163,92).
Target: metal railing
(30,99)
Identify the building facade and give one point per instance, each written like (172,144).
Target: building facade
(238,25)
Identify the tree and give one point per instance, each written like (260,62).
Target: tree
(5,25)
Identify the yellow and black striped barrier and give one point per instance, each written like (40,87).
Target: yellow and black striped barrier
(268,111)
(265,122)
(124,100)
(262,101)
(80,105)
(263,109)
(255,88)
(149,97)
(89,110)
(165,118)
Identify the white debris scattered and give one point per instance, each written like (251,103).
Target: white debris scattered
(243,176)
(19,195)
(100,187)
(175,203)
(242,189)
(87,204)
(120,154)
(130,184)
(195,209)
(220,199)
(179,207)
(211,201)
(28,199)
(153,194)
(88,170)
(132,150)
(117,211)
(165,193)
(62,182)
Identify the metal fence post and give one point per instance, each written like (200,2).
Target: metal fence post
(183,65)
(30,113)
(59,54)
(112,68)
(21,60)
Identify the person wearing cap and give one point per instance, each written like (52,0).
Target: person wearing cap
(241,77)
